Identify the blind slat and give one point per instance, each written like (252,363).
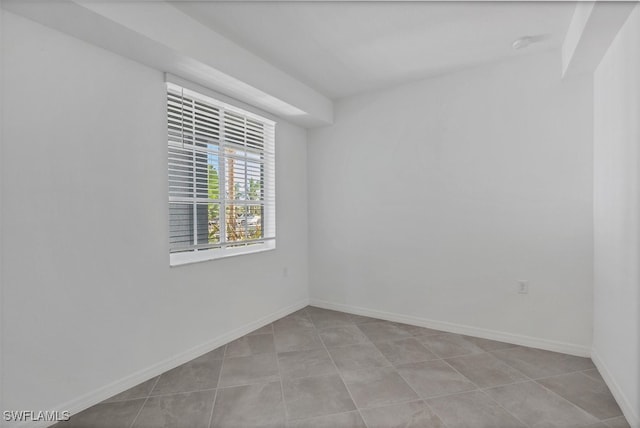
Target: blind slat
(221,167)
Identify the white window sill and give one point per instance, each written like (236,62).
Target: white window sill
(179,259)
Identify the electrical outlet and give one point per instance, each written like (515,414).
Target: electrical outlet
(523,286)
(285,272)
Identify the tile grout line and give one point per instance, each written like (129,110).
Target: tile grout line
(422,400)
(395,366)
(339,374)
(547,389)
(434,412)
(582,372)
(507,384)
(483,351)
(606,421)
(535,380)
(564,399)
(561,374)
(145,402)
(529,379)
(317,331)
(487,395)
(478,389)
(215,396)
(169,394)
(284,404)
(526,378)
(428,361)
(409,400)
(300,420)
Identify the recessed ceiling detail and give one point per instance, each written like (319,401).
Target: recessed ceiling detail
(344,48)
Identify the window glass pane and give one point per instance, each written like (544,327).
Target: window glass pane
(255,179)
(213,211)
(180,172)
(213,179)
(254,215)
(180,226)
(235,226)
(193,224)
(244,222)
(233,174)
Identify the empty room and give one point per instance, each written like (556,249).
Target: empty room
(338,214)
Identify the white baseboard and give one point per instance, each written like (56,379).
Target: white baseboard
(101,394)
(625,404)
(94,397)
(533,342)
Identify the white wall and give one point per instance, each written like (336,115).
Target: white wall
(430,200)
(1,234)
(89,297)
(616,333)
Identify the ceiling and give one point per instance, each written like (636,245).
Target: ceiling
(344,48)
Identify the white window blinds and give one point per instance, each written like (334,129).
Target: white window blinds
(221,178)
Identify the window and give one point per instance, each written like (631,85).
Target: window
(221,178)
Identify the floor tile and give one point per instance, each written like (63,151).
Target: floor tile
(473,410)
(186,410)
(340,420)
(296,320)
(357,357)
(378,387)
(105,415)
(385,368)
(259,368)
(296,364)
(316,396)
(299,339)
(405,415)
(585,392)
(383,331)
(538,363)
(217,354)
(433,378)
(248,406)
(139,391)
(405,351)
(330,319)
(536,406)
(449,345)
(593,374)
(619,422)
(415,330)
(485,370)
(315,310)
(267,329)
(341,336)
(359,319)
(489,345)
(250,345)
(196,375)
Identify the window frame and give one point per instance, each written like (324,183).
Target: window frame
(225,249)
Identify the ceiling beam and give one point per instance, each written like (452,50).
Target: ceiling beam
(592,29)
(161,36)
